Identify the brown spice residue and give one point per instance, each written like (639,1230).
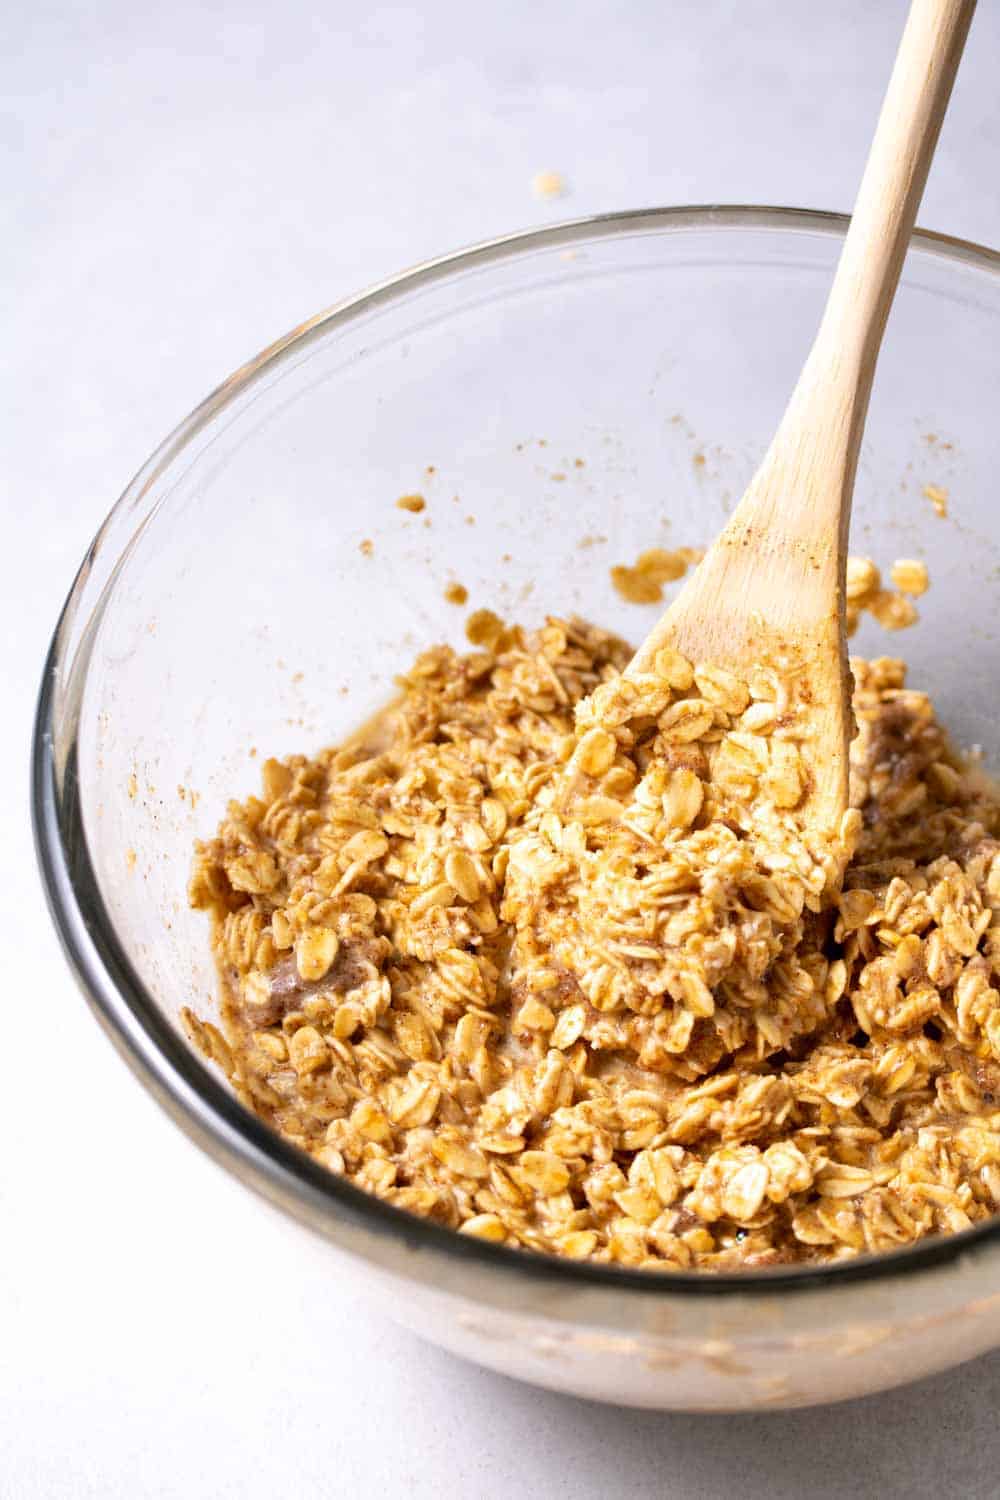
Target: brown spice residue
(938,496)
(414,503)
(456,593)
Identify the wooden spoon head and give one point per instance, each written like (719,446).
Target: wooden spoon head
(770,604)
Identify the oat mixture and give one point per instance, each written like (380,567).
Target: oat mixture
(548,956)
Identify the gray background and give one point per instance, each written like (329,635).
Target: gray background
(182,183)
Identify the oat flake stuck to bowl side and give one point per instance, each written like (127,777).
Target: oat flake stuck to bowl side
(598,1019)
(643,582)
(549,184)
(938,496)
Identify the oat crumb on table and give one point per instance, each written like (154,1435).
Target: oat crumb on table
(638,1013)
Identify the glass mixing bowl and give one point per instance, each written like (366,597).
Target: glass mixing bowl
(563,399)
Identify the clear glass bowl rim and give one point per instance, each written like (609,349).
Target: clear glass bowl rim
(184,1086)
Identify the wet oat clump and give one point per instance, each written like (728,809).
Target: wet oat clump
(634,1013)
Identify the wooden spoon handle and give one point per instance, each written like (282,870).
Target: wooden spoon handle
(835,385)
(895,175)
(770,590)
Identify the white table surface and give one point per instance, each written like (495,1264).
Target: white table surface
(182,183)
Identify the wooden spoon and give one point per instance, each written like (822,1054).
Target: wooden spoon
(772,586)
